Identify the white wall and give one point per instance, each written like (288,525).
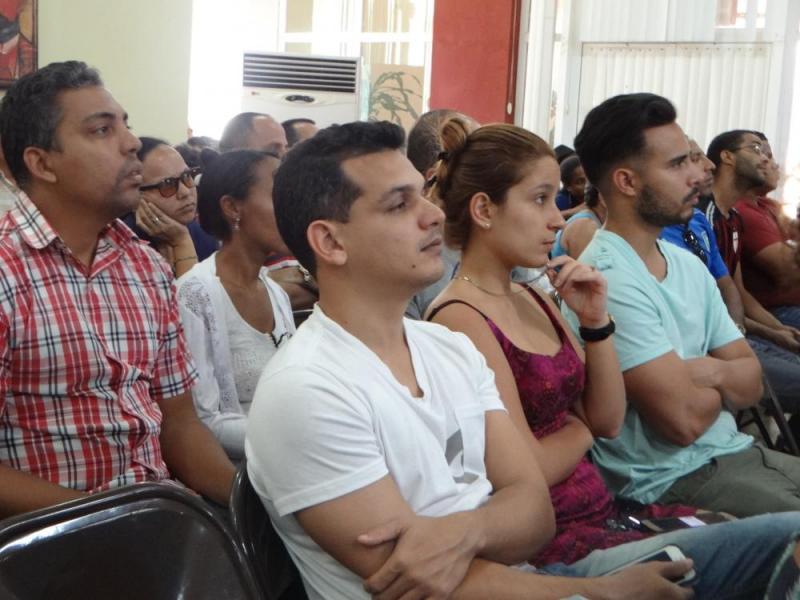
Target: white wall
(141,48)
(221,34)
(583,22)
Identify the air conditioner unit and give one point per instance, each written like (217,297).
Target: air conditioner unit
(290,86)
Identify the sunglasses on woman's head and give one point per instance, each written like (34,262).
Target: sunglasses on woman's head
(169,186)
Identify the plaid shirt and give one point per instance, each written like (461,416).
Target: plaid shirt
(85,355)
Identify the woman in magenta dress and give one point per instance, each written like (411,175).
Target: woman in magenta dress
(497,186)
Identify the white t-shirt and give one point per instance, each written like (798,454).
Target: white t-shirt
(329,418)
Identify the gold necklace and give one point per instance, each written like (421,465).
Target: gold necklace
(468,279)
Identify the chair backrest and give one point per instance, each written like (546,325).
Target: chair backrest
(785,442)
(151,540)
(274,568)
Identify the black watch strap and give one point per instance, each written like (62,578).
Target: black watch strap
(598,334)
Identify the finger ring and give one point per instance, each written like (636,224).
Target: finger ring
(156,220)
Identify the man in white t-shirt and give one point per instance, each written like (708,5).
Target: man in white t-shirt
(379,445)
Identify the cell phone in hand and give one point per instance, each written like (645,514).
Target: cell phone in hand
(665,554)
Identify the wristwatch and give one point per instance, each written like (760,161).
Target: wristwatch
(589,334)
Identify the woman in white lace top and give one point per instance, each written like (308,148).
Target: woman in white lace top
(234,316)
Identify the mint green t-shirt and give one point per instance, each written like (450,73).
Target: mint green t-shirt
(683,313)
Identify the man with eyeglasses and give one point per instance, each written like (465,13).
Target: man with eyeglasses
(770,280)
(769,259)
(744,171)
(95,376)
(697,236)
(687,368)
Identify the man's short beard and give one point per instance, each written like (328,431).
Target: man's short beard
(748,178)
(650,209)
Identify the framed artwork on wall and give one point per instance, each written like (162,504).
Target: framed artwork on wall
(18,40)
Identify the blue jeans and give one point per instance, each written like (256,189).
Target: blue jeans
(782,369)
(788,315)
(732,560)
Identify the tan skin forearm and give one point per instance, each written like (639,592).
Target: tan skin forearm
(701,414)
(732,298)
(757,328)
(299,297)
(301,293)
(184,255)
(738,381)
(560,452)
(22,492)
(780,261)
(521,496)
(753,309)
(192,453)
(671,400)
(491,580)
(640,582)
(603,405)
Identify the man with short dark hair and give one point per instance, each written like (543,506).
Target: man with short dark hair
(687,368)
(380,446)
(743,171)
(298,130)
(770,261)
(94,371)
(697,236)
(736,172)
(573,187)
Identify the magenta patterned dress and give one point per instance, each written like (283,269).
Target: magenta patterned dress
(585,511)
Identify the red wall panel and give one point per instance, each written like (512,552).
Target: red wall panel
(475,57)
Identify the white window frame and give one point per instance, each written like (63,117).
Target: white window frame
(350,37)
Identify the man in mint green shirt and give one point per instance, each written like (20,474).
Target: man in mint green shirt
(687,368)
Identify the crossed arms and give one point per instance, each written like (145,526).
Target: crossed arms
(681,399)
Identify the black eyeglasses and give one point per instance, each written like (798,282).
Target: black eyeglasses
(755,147)
(690,239)
(169,186)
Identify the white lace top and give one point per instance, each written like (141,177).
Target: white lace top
(250,349)
(228,353)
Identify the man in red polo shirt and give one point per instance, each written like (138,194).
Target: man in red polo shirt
(744,171)
(769,258)
(94,372)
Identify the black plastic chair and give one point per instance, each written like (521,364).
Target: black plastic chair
(785,442)
(275,571)
(151,540)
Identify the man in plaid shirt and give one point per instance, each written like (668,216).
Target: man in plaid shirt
(94,371)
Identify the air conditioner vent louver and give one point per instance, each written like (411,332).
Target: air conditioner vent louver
(284,71)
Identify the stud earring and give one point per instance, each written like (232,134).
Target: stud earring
(487,225)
